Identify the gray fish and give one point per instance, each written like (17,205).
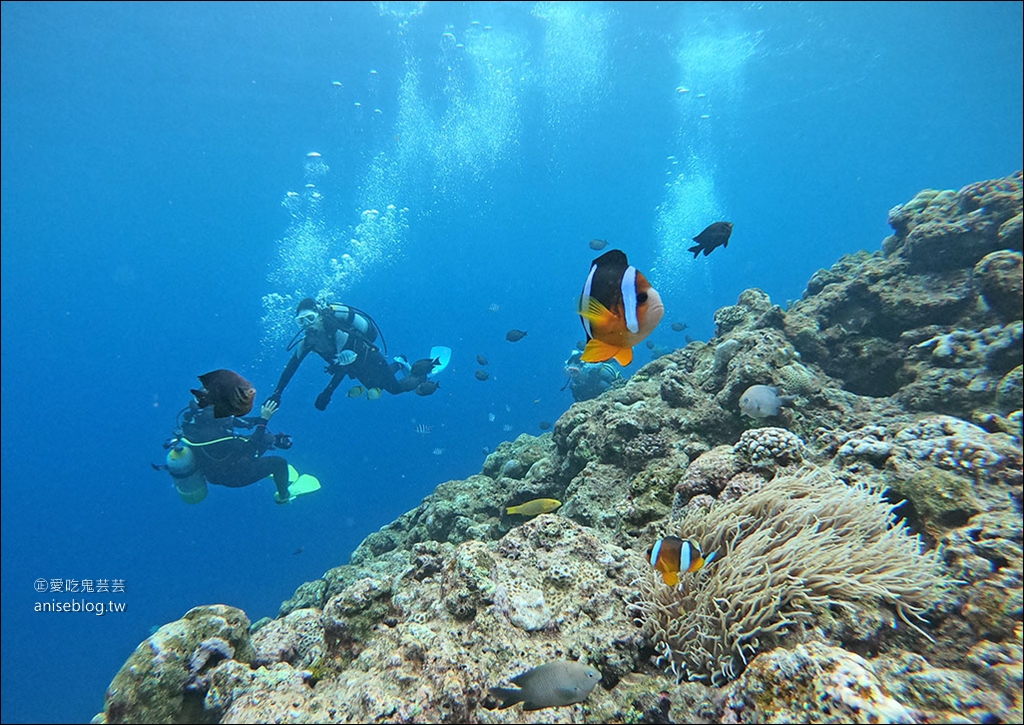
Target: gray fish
(545,424)
(598,244)
(716,235)
(515,335)
(481,375)
(554,684)
(481,360)
(763,401)
(678,326)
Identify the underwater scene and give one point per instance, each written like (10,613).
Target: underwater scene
(502,362)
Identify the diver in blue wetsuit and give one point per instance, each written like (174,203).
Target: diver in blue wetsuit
(345,338)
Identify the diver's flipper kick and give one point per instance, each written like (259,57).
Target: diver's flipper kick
(300,485)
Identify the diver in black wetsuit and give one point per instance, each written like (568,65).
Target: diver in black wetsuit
(232,460)
(344,337)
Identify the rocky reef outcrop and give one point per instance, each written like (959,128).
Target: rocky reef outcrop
(868,538)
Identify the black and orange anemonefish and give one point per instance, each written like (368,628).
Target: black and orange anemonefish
(672,556)
(619,308)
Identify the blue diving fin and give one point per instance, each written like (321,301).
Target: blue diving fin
(443,355)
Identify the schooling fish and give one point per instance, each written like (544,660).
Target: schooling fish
(515,335)
(481,375)
(598,244)
(672,556)
(619,308)
(227,391)
(554,684)
(764,401)
(355,391)
(716,235)
(481,360)
(534,507)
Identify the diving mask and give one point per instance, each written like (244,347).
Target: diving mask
(306,318)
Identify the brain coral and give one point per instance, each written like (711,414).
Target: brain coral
(799,544)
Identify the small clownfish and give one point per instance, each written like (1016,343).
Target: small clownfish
(672,555)
(619,309)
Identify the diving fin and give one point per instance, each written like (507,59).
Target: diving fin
(304,484)
(300,484)
(443,355)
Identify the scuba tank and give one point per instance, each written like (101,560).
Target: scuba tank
(188,478)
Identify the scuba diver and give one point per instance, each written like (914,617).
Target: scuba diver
(345,338)
(207,449)
(588,380)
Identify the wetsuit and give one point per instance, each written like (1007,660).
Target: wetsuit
(342,329)
(236,461)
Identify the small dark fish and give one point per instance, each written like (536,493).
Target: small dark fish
(650,344)
(679,326)
(515,335)
(481,360)
(297,551)
(545,425)
(716,235)
(427,388)
(481,375)
(598,244)
(424,366)
(227,391)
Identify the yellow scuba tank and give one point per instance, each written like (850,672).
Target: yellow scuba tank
(188,478)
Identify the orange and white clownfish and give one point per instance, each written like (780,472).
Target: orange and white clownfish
(619,308)
(672,555)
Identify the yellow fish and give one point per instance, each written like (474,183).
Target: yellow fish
(534,507)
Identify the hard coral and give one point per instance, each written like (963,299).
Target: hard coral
(801,543)
(769,447)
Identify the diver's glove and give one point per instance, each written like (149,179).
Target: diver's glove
(278,498)
(283,441)
(323,399)
(345,357)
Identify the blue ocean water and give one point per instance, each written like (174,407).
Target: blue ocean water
(468,154)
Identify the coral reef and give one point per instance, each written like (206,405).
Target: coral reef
(837,531)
